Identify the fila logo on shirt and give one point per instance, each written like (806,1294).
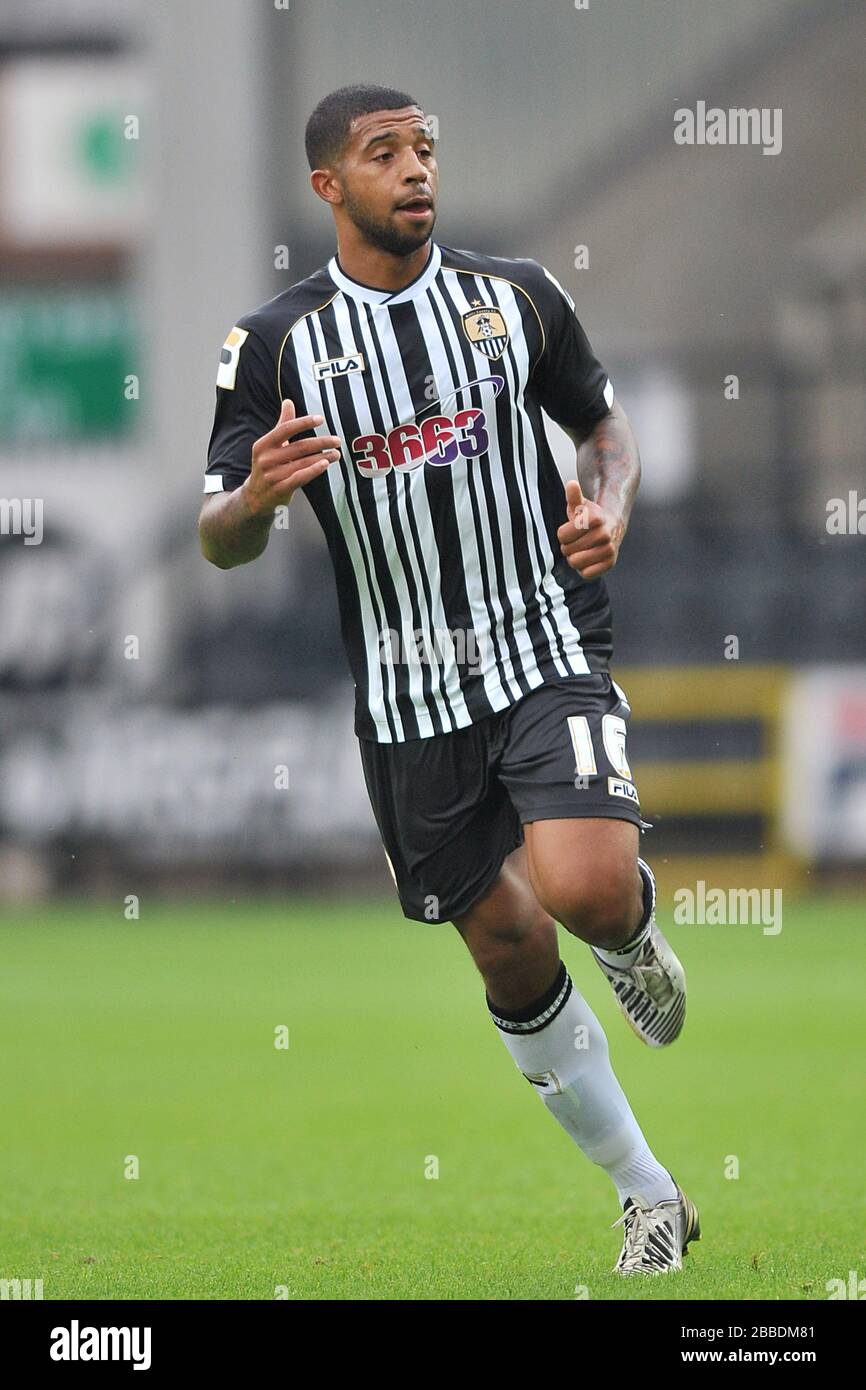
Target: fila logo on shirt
(439,439)
(338,366)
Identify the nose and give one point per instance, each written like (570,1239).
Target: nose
(416,170)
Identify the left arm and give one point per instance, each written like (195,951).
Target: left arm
(599,505)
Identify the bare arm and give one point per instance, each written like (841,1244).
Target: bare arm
(608,465)
(599,505)
(229,532)
(234,526)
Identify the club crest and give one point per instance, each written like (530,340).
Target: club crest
(485,328)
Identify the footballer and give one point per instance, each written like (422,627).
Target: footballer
(401,387)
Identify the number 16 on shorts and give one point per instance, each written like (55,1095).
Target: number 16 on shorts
(613,733)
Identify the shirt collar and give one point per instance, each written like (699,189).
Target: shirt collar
(355,290)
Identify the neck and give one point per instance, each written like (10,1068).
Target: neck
(381,270)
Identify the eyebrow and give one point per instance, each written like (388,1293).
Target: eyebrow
(419,130)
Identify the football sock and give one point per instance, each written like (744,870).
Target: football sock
(628,953)
(560,1046)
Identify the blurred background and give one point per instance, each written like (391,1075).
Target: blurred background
(165,725)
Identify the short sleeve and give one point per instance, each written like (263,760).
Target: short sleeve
(246,408)
(570,383)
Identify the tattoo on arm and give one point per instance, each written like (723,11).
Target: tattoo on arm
(608,465)
(229,534)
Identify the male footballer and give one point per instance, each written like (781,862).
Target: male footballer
(402,388)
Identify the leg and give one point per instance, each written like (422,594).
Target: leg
(565,768)
(553,1035)
(450,831)
(585,873)
(511,939)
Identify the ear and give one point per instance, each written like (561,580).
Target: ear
(326,185)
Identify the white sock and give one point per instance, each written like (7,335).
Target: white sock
(560,1046)
(626,955)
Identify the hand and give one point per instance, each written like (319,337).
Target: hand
(591,538)
(280,466)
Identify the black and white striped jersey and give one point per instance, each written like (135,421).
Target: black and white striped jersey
(441,515)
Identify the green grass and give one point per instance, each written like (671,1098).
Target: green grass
(305,1167)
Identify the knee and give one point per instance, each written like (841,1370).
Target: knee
(496,944)
(602,909)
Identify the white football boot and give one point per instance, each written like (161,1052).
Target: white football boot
(656,1238)
(652,990)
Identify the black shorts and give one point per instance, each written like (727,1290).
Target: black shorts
(451,808)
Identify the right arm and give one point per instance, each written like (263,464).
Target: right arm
(234,526)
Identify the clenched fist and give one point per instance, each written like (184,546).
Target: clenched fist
(591,538)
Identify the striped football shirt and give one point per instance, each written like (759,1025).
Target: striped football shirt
(441,514)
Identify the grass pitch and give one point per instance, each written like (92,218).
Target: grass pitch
(263,1170)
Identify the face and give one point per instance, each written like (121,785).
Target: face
(388,179)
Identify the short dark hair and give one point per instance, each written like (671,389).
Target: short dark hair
(328,127)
